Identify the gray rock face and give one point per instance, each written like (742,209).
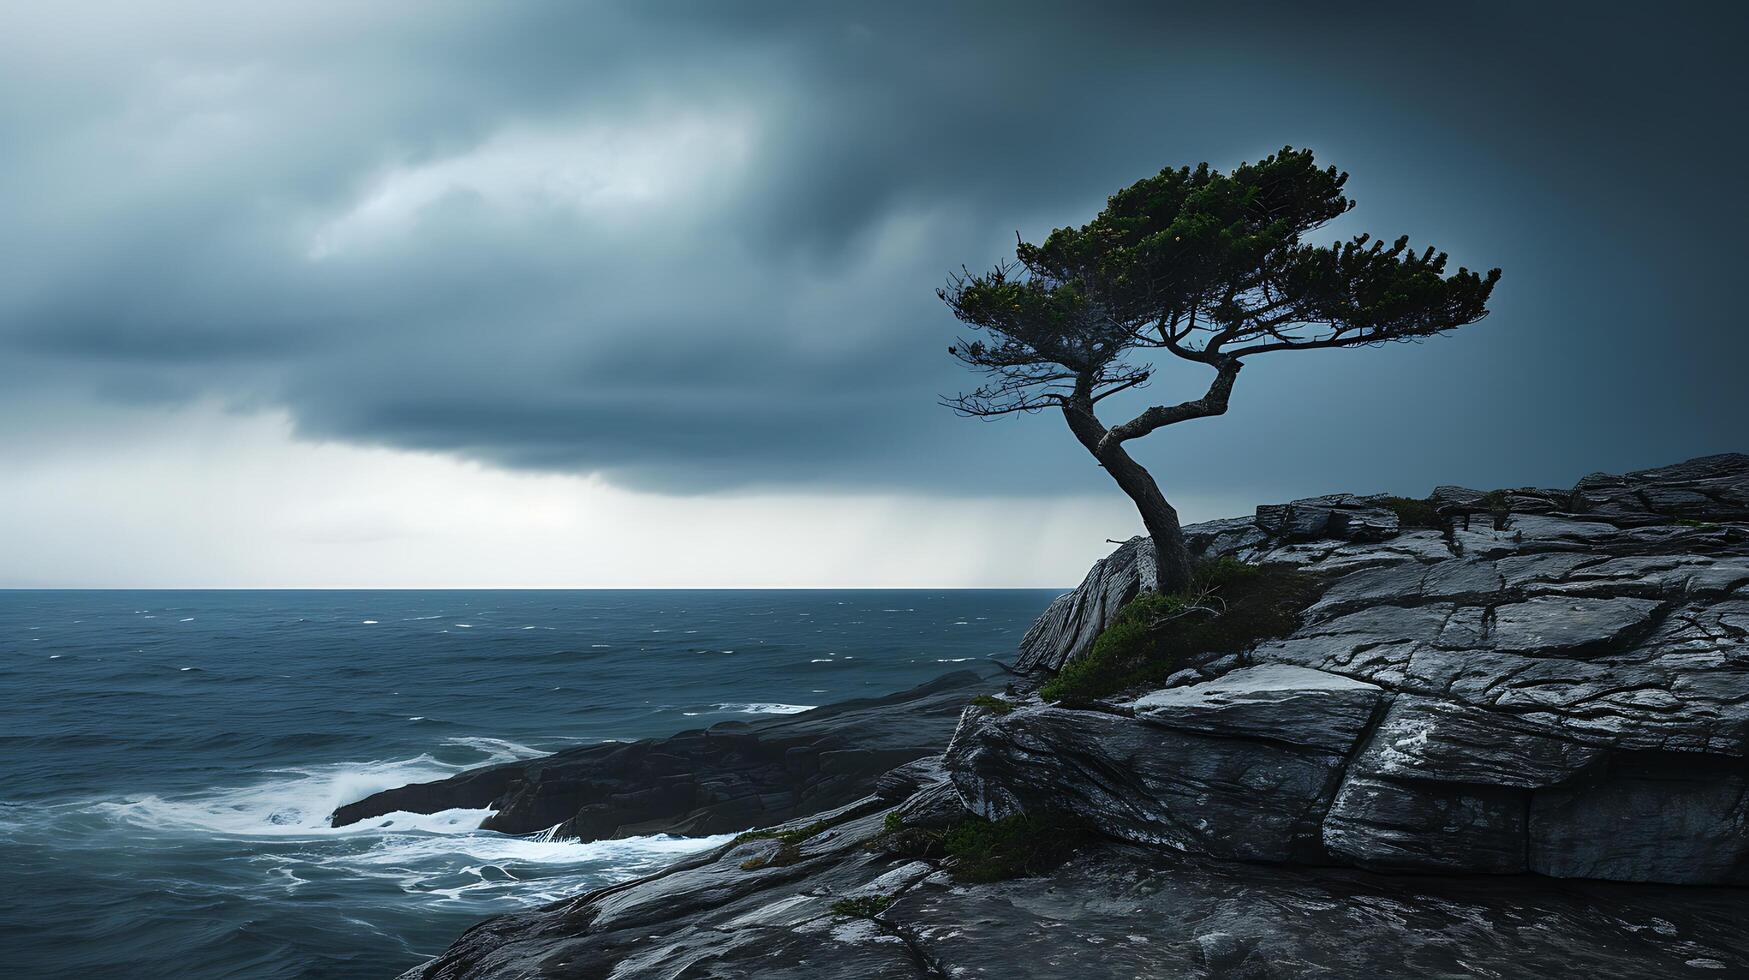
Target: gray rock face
(1243,766)
(1564,693)
(1114,912)
(1711,488)
(1135,781)
(1073,621)
(1282,703)
(1636,514)
(1654,818)
(1340,516)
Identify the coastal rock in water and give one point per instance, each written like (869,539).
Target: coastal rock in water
(729,777)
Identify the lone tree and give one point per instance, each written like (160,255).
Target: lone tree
(1210,267)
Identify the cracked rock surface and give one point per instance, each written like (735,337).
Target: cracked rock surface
(1510,746)
(1563,691)
(1113,911)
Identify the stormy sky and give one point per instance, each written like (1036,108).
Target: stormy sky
(642,294)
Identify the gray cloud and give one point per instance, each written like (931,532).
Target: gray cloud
(693,246)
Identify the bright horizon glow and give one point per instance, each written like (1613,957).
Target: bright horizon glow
(202,498)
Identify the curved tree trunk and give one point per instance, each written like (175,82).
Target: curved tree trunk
(1158,516)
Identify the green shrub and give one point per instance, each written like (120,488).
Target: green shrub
(1012,847)
(1230,608)
(789,845)
(793,836)
(863,907)
(893,823)
(994,703)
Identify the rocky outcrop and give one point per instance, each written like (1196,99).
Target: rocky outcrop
(729,777)
(1564,692)
(1549,685)
(1649,512)
(848,909)
(1241,767)
(1074,620)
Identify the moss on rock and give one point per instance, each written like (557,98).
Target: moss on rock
(1230,608)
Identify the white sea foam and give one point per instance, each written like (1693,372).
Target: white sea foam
(299,802)
(766,708)
(528,870)
(370,622)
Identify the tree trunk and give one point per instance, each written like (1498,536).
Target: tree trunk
(1158,516)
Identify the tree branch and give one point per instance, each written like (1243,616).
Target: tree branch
(1212,403)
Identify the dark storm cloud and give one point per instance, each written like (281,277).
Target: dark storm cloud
(693,246)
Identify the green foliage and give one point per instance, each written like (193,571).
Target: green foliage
(990,701)
(789,849)
(983,851)
(1230,608)
(1415,513)
(793,836)
(1184,235)
(1691,522)
(863,907)
(1200,239)
(1013,847)
(1117,650)
(1211,266)
(893,823)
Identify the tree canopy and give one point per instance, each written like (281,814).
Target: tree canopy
(1207,266)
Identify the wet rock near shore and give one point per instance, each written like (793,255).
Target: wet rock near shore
(729,777)
(1512,744)
(847,908)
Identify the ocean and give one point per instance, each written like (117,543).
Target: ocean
(168,760)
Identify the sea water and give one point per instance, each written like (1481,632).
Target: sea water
(169,760)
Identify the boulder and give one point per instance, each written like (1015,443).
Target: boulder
(1244,766)
(1279,702)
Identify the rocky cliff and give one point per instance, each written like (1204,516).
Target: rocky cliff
(1505,736)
